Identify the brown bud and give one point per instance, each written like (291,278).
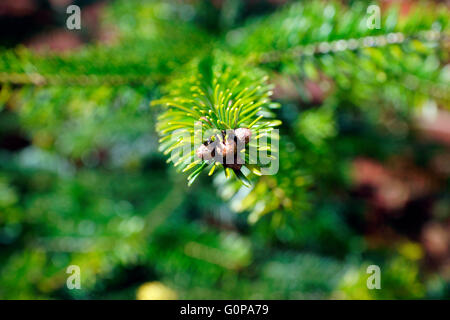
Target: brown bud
(205,152)
(234,166)
(243,134)
(226,148)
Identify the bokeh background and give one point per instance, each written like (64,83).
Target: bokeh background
(364,177)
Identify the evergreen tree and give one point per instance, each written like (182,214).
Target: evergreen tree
(86,182)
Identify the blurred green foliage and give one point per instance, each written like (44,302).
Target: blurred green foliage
(82,181)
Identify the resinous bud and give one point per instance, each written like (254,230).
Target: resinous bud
(226,148)
(205,152)
(243,134)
